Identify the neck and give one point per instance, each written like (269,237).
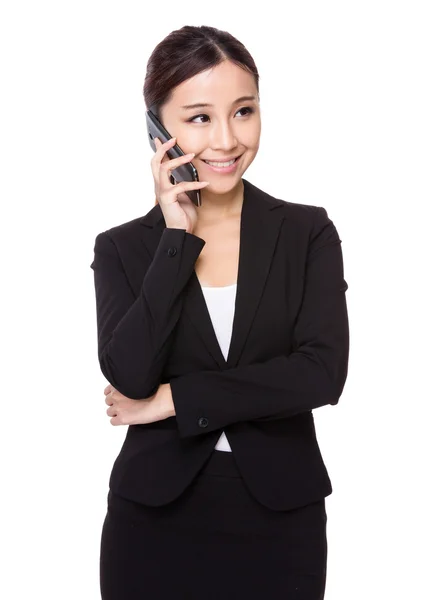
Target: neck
(215,207)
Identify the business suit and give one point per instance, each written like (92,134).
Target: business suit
(288,354)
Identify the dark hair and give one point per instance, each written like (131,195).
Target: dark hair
(186,52)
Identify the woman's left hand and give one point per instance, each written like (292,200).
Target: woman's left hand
(126,411)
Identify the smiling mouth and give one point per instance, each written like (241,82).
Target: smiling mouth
(222,164)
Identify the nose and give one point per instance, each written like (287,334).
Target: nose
(223,136)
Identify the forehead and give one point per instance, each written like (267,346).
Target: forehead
(221,84)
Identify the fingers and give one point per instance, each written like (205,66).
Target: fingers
(162,165)
(160,157)
(176,162)
(164,168)
(111,412)
(186,186)
(161,152)
(165,191)
(108,392)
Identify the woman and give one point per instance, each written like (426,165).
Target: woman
(220,328)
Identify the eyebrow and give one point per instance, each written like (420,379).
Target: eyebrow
(205,104)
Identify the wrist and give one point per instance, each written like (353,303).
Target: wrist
(175,225)
(166,399)
(188,228)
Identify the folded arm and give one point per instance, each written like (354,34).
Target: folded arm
(313,375)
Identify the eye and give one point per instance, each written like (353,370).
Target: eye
(192,119)
(248,108)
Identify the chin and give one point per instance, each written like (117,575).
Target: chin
(223,187)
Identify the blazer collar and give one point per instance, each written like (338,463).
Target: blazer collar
(261,220)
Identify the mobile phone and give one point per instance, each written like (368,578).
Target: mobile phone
(186,172)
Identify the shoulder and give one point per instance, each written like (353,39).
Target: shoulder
(312,223)
(302,215)
(307,224)
(124,229)
(307,214)
(132,229)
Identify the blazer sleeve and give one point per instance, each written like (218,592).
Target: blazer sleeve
(312,375)
(135,334)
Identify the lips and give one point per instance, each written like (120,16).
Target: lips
(222,161)
(224,171)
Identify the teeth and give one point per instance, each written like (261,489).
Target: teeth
(221,164)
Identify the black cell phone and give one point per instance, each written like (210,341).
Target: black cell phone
(186,172)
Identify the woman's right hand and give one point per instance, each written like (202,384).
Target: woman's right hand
(178,209)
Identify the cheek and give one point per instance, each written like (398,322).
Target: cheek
(251,137)
(252,142)
(190,140)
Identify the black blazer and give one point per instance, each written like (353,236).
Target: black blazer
(288,354)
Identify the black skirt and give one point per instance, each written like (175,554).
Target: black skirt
(214,542)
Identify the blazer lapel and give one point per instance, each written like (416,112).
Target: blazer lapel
(260,227)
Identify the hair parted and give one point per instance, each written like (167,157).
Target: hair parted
(186,52)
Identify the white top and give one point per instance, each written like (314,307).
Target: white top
(220,303)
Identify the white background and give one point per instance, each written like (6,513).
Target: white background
(344,96)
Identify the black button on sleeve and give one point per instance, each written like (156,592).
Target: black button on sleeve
(172,251)
(203,422)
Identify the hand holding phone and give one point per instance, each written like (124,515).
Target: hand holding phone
(182,172)
(178,209)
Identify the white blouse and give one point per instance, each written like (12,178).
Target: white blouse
(220,303)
